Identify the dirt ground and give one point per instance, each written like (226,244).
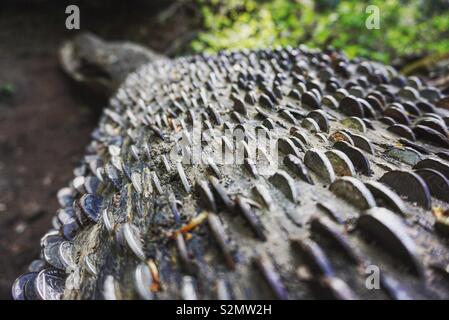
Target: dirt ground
(45,119)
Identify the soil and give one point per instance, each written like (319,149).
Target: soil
(45,119)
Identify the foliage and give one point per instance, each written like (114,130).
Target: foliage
(7,90)
(406,26)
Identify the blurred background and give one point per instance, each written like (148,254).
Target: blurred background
(46,120)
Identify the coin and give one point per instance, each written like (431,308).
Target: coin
(49,284)
(18,287)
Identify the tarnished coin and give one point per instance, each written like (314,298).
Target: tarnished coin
(300,135)
(341,136)
(309,100)
(265,102)
(374,103)
(411,108)
(389,231)
(223,290)
(251,218)
(316,161)
(409,185)
(341,163)
(435,165)
(274,281)
(386,197)
(393,288)
(354,123)
(286,184)
(414,145)
(406,155)
(368,110)
(437,183)
(297,166)
(362,143)
(443,155)
(314,256)
(398,114)
(434,122)
(388,121)
(353,191)
(350,106)
(358,159)
(286,145)
(205,195)
(431,135)
(310,125)
(263,194)
(324,227)
(403,131)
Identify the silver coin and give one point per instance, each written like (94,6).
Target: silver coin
(30,289)
(49,284)
(78,184)
(73,281)
(65,197)
(92,184)
(91,205)
(132,237)
(56,223)
(66,214)
(107,221)
(37,265)
(188,288)
(90,266)
(70,229)
(120,237)
(67,254)
(50,237)
(52,257)
(110,289)
(143,280)
(18,287)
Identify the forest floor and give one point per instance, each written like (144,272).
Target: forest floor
(45,119)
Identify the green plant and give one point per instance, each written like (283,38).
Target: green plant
(406,27)
(7,90)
